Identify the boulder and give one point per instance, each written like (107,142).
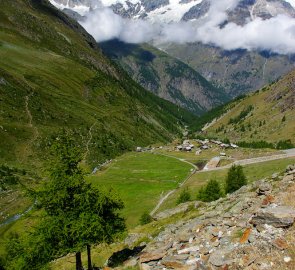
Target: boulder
(279,217)
(220,257)
(264,188)
(149,257)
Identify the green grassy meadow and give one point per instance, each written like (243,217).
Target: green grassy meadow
(140,179)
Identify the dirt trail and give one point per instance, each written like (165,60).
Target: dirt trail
(163,199)
(29,114)
(28,147)
(89,140)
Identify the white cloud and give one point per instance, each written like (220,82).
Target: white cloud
(276,34)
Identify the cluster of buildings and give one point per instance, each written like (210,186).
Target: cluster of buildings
(203,145)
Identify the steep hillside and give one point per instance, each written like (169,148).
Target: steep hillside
(268,114)
(53,76)
(165,76)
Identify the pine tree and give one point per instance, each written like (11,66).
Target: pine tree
(76,215)
(184,196)
(235,179)
(211,192)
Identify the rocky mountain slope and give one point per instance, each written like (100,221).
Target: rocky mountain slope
(165,76)
(237,72)
(54,76)
(251,229)
(268,114)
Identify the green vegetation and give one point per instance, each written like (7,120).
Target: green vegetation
(243,114)
(286,144)
(8,177)
(211,192)
(76,215)
(184,196)
(145,218)
(281,145)
(140,180)
(253,172)
(256,144)
(53,75)
(235,179)
(266,115)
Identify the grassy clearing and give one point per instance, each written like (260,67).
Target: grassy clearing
(253,173)
(140,179)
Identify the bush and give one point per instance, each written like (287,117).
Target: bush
(145,218)
(211,192)
(287,144)
(241,116)
(235,179)
(184,196)
(256,144)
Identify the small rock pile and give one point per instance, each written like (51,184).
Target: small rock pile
(245,230)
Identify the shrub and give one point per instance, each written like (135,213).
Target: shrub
(255,144)
(145,218)
(241,116)
(184,196)
(287,144)
(211,192)
(235,179)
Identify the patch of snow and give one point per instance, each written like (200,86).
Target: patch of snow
(172,12)
(82,10)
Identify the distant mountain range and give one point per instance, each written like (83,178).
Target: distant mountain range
(236,71)
(165,76)
(177,10)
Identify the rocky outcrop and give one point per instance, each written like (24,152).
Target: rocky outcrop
(279,216)
(235,232)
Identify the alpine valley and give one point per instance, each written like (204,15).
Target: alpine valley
(147,134)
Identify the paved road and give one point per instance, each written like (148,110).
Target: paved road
(287,154)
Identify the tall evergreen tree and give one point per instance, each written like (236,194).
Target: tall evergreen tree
(77,214)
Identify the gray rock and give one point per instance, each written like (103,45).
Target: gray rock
(279,217)
(2,81)
(264,188)
(220,257)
